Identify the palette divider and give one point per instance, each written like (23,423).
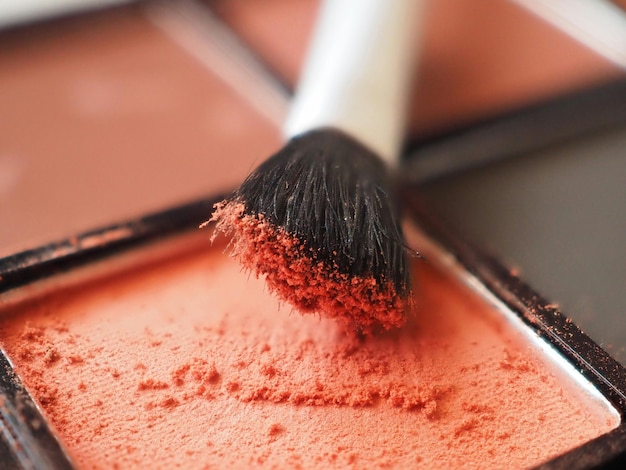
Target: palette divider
(516,132)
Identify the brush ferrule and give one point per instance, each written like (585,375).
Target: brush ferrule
(356,78)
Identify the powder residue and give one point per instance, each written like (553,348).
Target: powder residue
(293,273)
(192,363)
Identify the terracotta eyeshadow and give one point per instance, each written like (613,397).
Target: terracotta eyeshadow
(191,362)
(126,122)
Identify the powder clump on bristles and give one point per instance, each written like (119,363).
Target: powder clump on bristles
(292,273)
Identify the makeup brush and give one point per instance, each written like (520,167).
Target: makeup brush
(319,219)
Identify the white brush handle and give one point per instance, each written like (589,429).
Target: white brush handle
(356,76)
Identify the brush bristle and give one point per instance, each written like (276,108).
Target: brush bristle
(320,220)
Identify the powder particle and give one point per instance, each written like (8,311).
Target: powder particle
(170,402)
(455,387)
(179,374)
(233,386)
(212,376)
(51,355)
(268,370)
(199,370)
(275,430)
(32,334)
(75,359)
(152,384)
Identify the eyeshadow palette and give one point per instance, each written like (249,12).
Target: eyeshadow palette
(176,357)
(142,344)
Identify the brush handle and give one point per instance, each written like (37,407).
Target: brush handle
(356,76)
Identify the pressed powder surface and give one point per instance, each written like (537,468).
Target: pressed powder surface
(191,362)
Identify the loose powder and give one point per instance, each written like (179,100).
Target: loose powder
(191,363)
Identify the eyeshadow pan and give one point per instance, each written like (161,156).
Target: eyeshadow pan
(107,115)
(190,362)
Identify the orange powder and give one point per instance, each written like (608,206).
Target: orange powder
(191,363)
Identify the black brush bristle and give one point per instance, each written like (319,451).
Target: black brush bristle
(336,197)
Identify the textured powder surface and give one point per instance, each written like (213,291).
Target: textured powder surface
(191,363)
(361,303)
